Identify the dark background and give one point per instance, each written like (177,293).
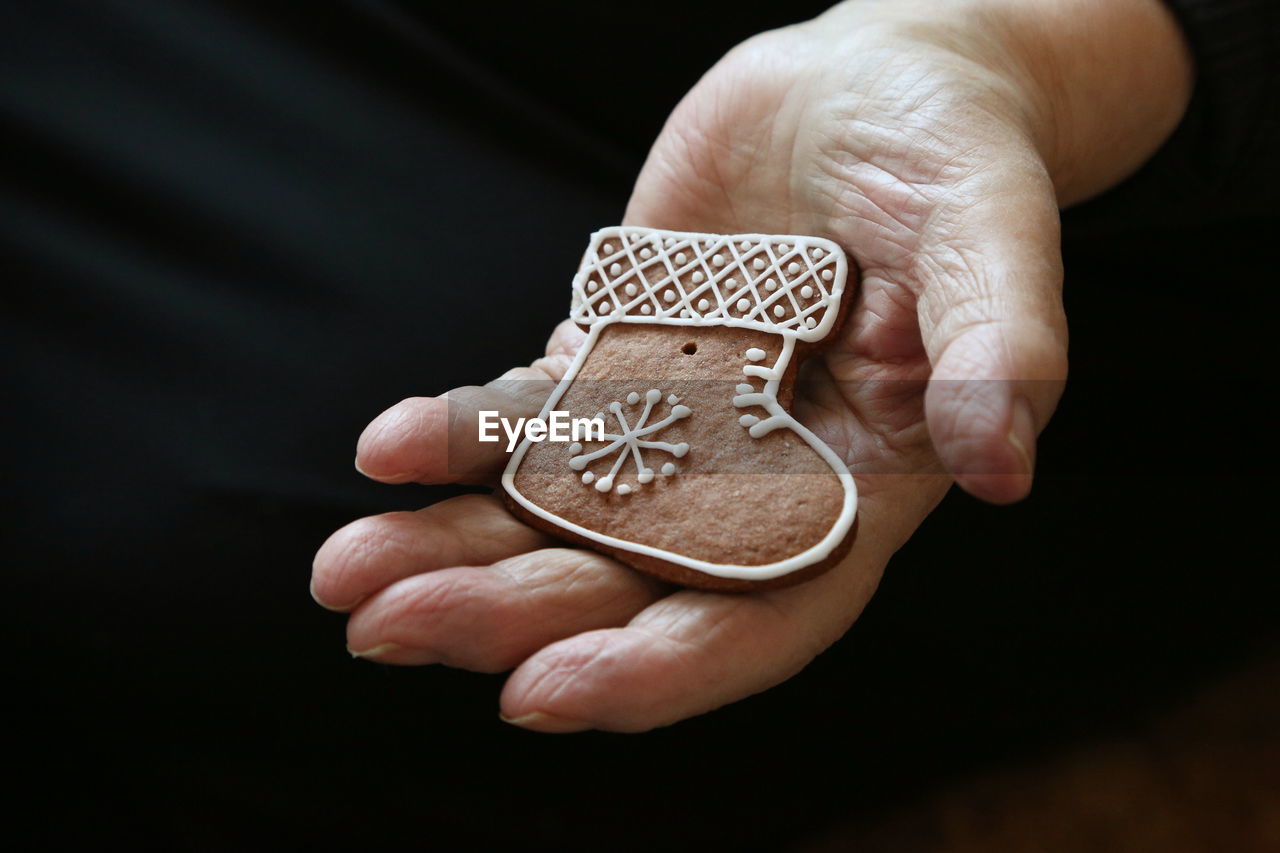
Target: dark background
(230,234)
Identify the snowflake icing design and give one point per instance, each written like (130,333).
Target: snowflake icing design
(632,441)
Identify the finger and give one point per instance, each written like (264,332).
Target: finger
(991,315)
(562,347)
(437,439)
(374,552)
(489,619)
(695,651)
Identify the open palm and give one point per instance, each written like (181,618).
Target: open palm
(917,159)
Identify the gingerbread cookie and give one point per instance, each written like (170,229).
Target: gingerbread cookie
(696,472)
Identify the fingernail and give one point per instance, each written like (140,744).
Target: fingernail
(393,479)
(336,608)
(372,653)
(1022,434)
(546,723)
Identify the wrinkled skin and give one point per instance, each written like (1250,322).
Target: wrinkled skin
(920,150)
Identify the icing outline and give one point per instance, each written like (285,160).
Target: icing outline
(832,260)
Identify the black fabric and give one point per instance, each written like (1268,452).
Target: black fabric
(231,233)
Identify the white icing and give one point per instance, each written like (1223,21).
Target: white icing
(805,292)
(698,277)
(576,447)
(703,305)
(718,260)
(744,304)
(624,489)
(646,308)
(631,289)
(756,354)
(673,399)
(744,245)
(810,325)
(681,258)
(646,253)
(744,388)
(793,268)
(747,420)
(669,295)
(587,477)
(593,286)
(630,442)
(645,476)
(615,269)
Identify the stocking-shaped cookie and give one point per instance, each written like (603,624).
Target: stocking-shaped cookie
(701,476)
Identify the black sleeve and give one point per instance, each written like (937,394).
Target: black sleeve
(1223,160)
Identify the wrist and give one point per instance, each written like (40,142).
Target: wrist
(1097,85)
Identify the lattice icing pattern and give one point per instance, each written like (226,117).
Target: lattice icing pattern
(790,285)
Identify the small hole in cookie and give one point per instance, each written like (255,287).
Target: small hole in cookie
(689,348)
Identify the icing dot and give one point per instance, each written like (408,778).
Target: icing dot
(718,260)
(703,305)
(604,484)
(653,396)
(744,245)
(604,306)
(668,469)
(778,310)
(645,476)
(826,275)
(681,257)
(615,268)
(646,308)
(793,268)
(670,295)
(684,312)
(624,489)
(633,398)
(806,291)
(771,285)
(744,388)
(630,289)
(588,477)
(673,399)
(680,450)
(575,449)
(593,286)
(784,248)
(645,253)
(669,242)
(817,254)
(743,304)
(758,263)
(607,248)
(730,283)
(681,412)
(808,323)
(577,463)
(755,354)
(698,276)
(748,420)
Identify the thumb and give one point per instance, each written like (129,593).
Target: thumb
(989,299)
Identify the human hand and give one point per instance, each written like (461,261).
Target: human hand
(934,141)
